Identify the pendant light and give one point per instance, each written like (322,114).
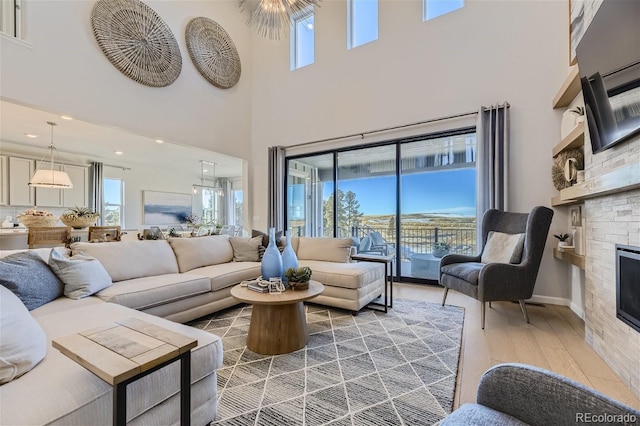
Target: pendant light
(216,190)
(50,178)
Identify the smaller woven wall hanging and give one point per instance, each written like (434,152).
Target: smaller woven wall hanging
(213,52)
(557,169)
(137,41)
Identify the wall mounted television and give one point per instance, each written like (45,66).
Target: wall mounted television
(609,63)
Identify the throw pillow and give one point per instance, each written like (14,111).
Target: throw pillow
(24,344)
(265,237)
(82,275)
(246,249)
(30,278)
(503,248)
(324,249)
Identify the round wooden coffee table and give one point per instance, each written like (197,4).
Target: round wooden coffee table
(278,323)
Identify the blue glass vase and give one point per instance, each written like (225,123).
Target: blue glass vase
(271,266)
(289,258)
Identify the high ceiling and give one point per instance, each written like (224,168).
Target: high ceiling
(77,141)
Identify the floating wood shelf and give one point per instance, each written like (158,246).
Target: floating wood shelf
(575,139)
(570,256)
(557,201)
(623,179)
(569,89)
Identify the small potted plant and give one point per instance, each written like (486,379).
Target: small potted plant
(579,111)
(79,217)
(562,240)
(440,248)
(298,278)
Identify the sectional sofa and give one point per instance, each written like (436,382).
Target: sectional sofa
(166,282)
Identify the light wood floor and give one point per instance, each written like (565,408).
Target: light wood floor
(554,340)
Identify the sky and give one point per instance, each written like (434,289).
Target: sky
(452,192)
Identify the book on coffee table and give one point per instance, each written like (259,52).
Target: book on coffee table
(255,287)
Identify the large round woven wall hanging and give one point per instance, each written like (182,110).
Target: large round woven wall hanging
(137,41)
(557,169)
(213,52)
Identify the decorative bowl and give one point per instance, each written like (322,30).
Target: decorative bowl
(79,222)
(299,285)
(31,221)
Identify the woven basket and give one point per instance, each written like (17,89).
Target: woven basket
(35,221)
(79,222)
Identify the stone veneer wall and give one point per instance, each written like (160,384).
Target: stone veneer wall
(611,219)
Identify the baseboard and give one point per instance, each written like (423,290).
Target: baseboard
(558,301)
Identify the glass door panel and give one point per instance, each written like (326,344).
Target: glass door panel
(367,187)
(310,183)
(438,199)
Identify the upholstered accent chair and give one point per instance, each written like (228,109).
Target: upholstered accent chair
(518,394)
(507,267)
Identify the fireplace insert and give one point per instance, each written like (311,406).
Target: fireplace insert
(628,285)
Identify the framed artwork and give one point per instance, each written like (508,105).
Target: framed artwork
(575,216)
(165,208)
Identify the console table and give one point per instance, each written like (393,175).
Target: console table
(122,352)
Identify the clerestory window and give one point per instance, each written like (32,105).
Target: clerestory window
(303,40)
(362,22)
(434,8)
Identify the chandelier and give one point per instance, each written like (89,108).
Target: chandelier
(271,16)
(50,178)
(202,186)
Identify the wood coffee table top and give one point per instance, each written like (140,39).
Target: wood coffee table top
(290,296)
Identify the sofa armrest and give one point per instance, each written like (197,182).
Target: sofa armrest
(540,397)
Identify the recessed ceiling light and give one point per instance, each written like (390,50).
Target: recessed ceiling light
(118,152)
(66,117)
(31,135)
(159,141)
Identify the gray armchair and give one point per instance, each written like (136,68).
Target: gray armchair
(518,394)
(489,282)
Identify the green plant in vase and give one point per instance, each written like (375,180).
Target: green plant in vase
(79,217)
(298,278)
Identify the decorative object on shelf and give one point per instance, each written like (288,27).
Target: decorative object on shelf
(32,218)
(440,248)
(271,16)
(298,278)
(213,52)
(557,170)
(580,176)
(50,178)
(289,258)
(79,217)
(562,243)
(137,41)
(271,266)
(570,119)
(571,170)
(575,216)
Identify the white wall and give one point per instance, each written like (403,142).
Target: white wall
(62,69)
(484,53)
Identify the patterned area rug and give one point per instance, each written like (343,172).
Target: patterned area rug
(397,368)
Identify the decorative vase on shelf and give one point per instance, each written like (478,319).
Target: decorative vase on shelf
(271,266)
(289,258)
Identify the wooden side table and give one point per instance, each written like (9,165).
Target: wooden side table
(122,352)
(278,322)
(388,261)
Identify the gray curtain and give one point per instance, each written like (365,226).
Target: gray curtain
(97,190)
(493,160)
(275,215)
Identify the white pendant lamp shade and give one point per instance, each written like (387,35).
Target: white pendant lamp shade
(50,178)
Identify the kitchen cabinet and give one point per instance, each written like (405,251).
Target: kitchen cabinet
(20,171)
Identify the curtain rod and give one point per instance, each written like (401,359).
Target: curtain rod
(116,167)
(385,129)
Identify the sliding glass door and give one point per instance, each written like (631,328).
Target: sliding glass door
(413,198)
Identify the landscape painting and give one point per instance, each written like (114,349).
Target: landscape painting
(165,208)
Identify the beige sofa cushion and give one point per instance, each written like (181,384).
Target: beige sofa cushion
(346,275)
(125,260)
(194,253)
(147,292)
(326,249)
(229,274)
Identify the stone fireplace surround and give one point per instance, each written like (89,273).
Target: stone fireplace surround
(610,220)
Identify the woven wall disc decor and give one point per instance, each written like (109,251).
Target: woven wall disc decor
(137,41)
(213,52)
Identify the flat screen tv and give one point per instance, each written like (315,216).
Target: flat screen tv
(609,63)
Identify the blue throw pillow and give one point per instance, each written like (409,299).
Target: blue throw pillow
(30,278)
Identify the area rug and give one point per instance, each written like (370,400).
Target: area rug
(397,368)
